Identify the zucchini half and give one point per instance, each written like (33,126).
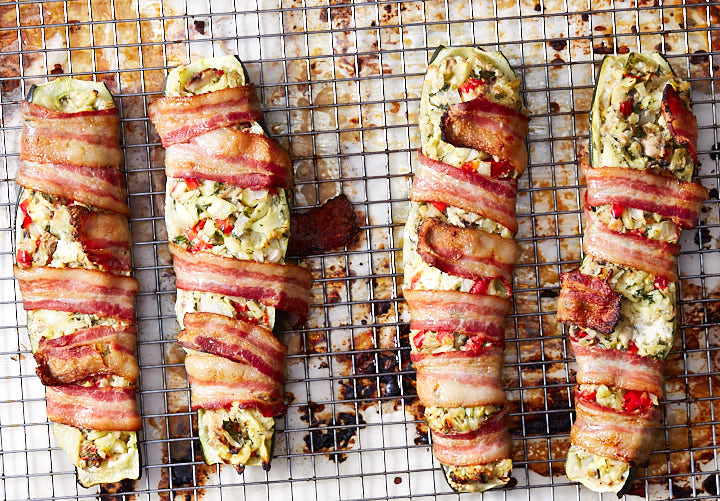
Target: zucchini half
(470,60)
(598,473)
(122,461)
(226,443)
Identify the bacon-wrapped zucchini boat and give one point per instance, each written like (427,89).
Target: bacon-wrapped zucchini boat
(73,266)
(621,304)
(459,255)
(228,224)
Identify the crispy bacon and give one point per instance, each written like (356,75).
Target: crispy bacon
(101,187)
(96,351)
(664,195)
(331,226)
(465,252)
(454,379)
(680,120)
(97,408)
(217,383)
(89,138)
(283,286)
(626,249)
(491,127)
(231,156)
(617,368)
(588,301)
(490,442)
(629,437)
(105,237)
(179,119)
(478,315)
(78,290)
(490,198)
(236,340)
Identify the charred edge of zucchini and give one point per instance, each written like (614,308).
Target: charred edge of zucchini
(632,474)
(607,60)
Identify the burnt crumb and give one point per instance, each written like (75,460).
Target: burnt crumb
(511,483)
(715,151)
(538,7)
(74,26)
(712,317)
(603,48)
(681,492)
(554,107)
(557,61)
(585,17)
(549,293)
(699,57)
(422,439)
(633,29)
(343,429)
(384,371)
(713,194)
(559,44)
(710,484)
(702,235)
(116,491)
(199,26)
(388,8)
(623,49)
(397,480)
(600,28)
(381,308)
(57,69)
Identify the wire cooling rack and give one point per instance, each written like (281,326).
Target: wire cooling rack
(340,84)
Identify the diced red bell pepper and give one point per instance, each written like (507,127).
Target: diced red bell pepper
(632,348)
(442,336)
(240,307)
(24,258)
(588,395)
(469,167)
(660,283)
(439,206)
(27,220)
(471,85)
(500,168)
(414,280)
(481,286)
(202,246)
(617,210)
(224,225)
(192,183)
(634,400)
(626,108)
(419,339)
(192,233)
(220,73)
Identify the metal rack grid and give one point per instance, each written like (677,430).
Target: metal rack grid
(340,86)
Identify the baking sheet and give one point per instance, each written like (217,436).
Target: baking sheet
(340,83)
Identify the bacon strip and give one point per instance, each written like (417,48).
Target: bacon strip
(588,301)
(629,437)
(487,126)
(680,120)
(78,290)
(89,138)
(105,237)
(466,252)
(478,315)
(179,119)
(101,187)
(626,249)
(677,200)
(490,442)
(283,286)
(231,156)
(103,409)
(453,379)
(217,383)
(96,351)
(490,198)
(235,339)
(618,369)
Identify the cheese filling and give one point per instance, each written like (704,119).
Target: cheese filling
(596,472)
